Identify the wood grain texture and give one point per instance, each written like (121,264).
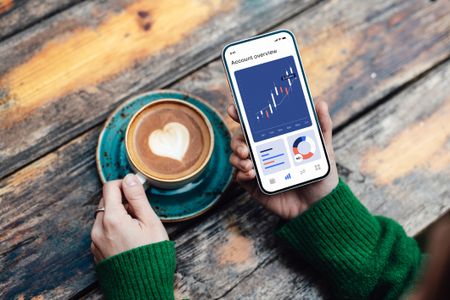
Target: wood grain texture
(283,276)
(29,223)
(46,215)
(6,6)
(217,240)
(239,240)
(63,77)
(59,184)
(415,199)
(350,50)
(210,256)
(16,15)
(361,52)
(47,212)
(383,154)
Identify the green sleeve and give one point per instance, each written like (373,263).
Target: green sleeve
(361,255)
(145,272)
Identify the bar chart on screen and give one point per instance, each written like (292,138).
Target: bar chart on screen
(273,98)
(273,157)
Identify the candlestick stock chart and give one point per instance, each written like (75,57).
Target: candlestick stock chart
(273,98)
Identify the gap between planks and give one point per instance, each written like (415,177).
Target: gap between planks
(35,22)
(391,92)
(342,97)
(165,85)
(389,96)
(383,100)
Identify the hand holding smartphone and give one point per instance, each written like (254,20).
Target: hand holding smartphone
(276,111)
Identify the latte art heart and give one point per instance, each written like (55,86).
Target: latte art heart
(172,141)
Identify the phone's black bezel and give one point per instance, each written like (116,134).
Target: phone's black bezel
(240,116)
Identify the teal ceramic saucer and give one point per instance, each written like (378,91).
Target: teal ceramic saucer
(171,205)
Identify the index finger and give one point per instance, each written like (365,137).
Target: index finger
(112,197)
(232,112)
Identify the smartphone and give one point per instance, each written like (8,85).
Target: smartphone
(276,110)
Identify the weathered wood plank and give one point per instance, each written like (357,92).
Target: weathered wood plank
(238,239)
(217,255)
(398,41)
(48,206)
(207,82)
(36,223)
(380,159)
(16,15)
(283,277)
(397,157)
(64,76)
(273,274)
(46,216)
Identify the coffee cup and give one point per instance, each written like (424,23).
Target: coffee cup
(169,143)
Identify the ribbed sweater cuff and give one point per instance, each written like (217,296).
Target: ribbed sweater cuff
(335,234)
(145,272)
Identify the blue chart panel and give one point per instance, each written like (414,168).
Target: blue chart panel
(273,98)
(273,157)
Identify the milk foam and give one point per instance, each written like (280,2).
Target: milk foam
(172,141)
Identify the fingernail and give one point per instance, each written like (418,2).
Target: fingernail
(130,180)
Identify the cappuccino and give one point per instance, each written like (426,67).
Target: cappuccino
(169,141)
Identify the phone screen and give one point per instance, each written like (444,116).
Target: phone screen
(276,111)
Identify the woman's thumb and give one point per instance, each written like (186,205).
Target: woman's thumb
(137,199)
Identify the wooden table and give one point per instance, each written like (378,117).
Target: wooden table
(383,67)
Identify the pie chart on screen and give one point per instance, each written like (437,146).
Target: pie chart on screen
(304,148)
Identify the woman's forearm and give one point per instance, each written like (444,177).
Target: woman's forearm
(363,256)
(145,272)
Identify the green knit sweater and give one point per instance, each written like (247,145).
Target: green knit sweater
(362,256)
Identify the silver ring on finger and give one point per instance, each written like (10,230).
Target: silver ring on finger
(100,209)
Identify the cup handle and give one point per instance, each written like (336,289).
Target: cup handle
(141,178)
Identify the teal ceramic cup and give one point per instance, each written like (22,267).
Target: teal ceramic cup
(170,140)
(171,205)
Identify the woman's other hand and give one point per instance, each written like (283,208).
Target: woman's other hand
(124,225)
